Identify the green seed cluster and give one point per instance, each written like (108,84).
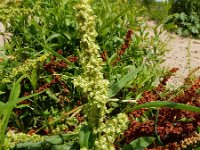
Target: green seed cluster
(93,84)
(91,81)
(14,138)
(111,130)
(28,65)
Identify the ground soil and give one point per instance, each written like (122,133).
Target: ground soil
(183,53)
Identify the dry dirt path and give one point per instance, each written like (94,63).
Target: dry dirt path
(184,53)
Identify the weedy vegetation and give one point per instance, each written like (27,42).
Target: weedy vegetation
(81,74)
(185,14)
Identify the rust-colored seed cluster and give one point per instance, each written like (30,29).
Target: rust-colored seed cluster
(122,50)
(72,59)
(53,66)
(126,45)
(171,126)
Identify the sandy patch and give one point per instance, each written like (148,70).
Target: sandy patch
(184,53)
(2,29)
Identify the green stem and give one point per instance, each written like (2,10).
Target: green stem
(75,110)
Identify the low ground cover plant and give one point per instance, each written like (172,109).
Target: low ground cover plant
(75,75)
(180,16)
(185,14)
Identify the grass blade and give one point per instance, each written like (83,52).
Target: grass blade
(117,17)
(168,105)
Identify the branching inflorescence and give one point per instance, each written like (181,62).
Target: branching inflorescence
(92,82)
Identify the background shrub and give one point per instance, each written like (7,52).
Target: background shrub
(186,15)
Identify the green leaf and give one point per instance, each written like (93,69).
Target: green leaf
(55,139)
(139,143)
(30,145)
(67,146)
(2,92)
(26,97)
(23,105)
(116,17)
(54,142)
(14,94)
(183,16)
(2,105)
(84,136)
(52,37)
(52,95)
(51,50)
(116,87)
(170,26)
(33,79)
(168,105)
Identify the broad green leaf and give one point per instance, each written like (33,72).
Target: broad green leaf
(168,105)
(67,35)
(116,87)
(3,107)
(67,146)
(170,26)
(198,148)
(54,142)
(112,58)
(139,143)
(84,136)
(2,104)
(55,139)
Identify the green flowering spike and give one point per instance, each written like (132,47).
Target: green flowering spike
(111,129)
(14,138)
(28,65)
(93,84)
(91,81)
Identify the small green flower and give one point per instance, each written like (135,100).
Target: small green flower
(93,84)
(91,81)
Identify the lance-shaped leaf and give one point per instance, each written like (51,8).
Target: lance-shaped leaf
(116,87)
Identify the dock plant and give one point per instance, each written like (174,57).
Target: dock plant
(85,74)
(92,82)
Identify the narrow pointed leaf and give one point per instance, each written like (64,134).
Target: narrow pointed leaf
(52,37)
(116,87)
(168,105)
(84,136)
